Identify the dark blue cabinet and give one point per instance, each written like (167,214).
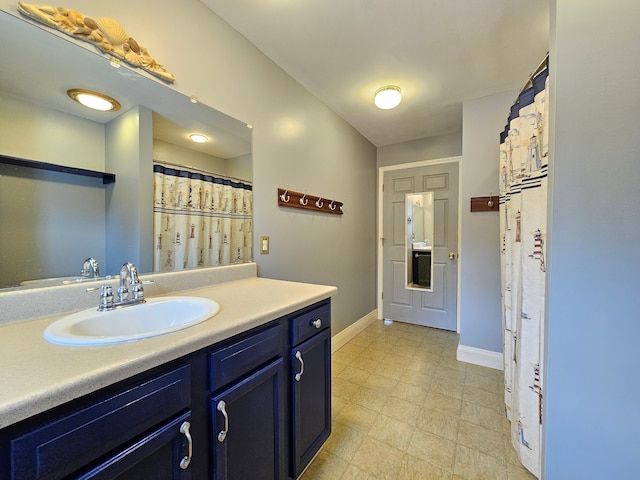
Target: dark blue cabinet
(163,454)
(310,374)
(254,406)
(247,427)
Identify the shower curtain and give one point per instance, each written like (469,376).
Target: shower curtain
(523,232)
(200,219)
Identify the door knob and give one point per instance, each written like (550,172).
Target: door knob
(452,256)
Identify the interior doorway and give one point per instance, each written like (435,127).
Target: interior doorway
(397,298)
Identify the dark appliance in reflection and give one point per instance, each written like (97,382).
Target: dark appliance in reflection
(421,268)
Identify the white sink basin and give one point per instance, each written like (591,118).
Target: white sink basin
(157,316)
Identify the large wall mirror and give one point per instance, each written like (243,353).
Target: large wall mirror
(50,221)
(419,240)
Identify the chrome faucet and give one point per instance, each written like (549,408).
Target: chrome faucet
(90,268)
(130,291)
(129,277)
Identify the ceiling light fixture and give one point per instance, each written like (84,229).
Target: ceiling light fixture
(388,97)
(94,100)
(198,138)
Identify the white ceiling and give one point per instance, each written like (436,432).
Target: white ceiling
(439,52)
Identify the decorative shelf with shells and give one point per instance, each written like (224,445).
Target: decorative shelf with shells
(289,198)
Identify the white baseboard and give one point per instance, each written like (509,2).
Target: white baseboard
(478,356)
(342,338)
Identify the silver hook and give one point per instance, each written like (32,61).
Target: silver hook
(490,202)
(319,203)
(332,206)
(284,197)
(303,200)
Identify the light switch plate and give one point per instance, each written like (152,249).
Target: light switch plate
(264,245)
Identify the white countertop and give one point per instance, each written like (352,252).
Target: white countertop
(36,375)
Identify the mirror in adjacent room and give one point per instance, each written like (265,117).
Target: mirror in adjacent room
(51,221)
(419,240)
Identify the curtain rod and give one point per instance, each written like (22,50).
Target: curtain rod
(177,165)
(541,66)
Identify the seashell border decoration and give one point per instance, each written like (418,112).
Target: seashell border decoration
(105,33)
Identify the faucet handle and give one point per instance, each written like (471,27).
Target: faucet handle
(106,296)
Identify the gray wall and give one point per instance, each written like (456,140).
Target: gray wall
(431,148)
(480,317)
(297,143)
(592,384)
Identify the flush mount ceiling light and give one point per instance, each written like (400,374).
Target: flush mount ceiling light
(94,100)
(196,137)
(388,97)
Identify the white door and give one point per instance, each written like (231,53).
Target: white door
(435,308)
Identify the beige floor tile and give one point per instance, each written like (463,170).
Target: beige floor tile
(344,441)
(391,431)
(486,417)
(405,408)
(474,465)
(373,354)
(370,398)
(416,379)
(410,393)
(326,466)
(402,410)
(443,403)
(488,383)
(343,356)
(343,388)
(438,423)
(433,449)
(380,383)
(354,473)
(417,469)
(363,363)
(487,399)
(451,373)
(518,472)
(378,459)
(354,375)
(357,417)
(388,370)
(481,439)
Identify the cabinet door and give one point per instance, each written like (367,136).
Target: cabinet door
(164,454)
(311,402)
(248,427)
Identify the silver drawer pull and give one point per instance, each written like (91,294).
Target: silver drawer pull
(317,323)
(184,428)
(223,433)
(299,374)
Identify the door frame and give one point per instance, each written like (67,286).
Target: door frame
(379,261)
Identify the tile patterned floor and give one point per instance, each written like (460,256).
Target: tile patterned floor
(404,408)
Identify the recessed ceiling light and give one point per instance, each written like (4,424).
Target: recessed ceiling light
(94,100)
(388,97)
(196,137)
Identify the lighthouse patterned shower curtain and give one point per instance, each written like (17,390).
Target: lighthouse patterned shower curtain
(200,219)
(523,232)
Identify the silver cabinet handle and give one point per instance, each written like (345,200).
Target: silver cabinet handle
(223,433)
(299,374)
(184,428)
(317,323)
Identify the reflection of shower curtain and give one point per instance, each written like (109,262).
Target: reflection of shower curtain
(199,219)
(523,231)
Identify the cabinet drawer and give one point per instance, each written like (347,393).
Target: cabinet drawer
(309,323)
(238,359)
(72,441)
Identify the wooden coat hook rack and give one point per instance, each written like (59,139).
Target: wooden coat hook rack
(289,198)
(485,204)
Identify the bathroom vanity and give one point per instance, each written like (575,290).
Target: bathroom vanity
(245,394)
